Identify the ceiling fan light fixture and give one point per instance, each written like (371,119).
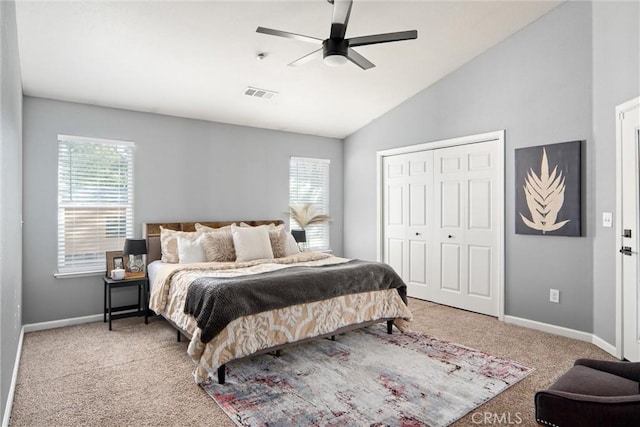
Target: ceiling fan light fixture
(335,60)
(334,52)
(338,50)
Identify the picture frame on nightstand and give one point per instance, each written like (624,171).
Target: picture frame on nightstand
(115,259)
(118,262)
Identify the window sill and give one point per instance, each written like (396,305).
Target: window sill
(71,275)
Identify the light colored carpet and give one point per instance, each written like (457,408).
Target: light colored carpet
(139,375)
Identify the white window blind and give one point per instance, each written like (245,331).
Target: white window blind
(95,201)
(309,183)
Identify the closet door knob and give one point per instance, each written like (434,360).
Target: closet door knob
(450,236)
(417,234)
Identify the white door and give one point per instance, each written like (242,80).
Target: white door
(442,223)
(407,212)
(628,134)
(467,225)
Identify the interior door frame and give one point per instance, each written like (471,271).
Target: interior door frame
(464,140)
(620,111)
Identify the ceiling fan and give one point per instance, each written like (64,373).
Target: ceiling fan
(336,50)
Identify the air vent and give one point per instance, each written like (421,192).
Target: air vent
(259,93)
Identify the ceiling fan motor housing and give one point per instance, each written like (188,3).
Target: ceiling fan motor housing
(335,47)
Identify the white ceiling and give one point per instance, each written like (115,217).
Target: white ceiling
(194,59)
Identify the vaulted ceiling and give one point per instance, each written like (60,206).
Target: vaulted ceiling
(195,59)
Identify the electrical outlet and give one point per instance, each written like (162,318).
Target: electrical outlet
(554,296)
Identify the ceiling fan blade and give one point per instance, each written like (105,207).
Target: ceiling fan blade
(288,35)
(359,60)
(308,57)
(340,19)
(383,38)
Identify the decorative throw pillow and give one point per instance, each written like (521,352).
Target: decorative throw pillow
(218,246)
(251,243)
(200,228)
(169,245)
(271,226)
(292,245)
(190,251)
(278,238)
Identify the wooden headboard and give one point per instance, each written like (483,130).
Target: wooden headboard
(151,231)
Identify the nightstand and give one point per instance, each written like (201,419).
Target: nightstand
(143,302)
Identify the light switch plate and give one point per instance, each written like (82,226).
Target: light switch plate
(607,219)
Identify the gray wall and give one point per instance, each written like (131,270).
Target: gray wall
(537,86)
(616,79)
(184,170)
(10,198)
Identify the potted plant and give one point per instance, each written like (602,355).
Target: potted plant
(305,215)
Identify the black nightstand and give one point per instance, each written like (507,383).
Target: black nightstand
(143,303)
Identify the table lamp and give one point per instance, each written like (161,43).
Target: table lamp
(135,249)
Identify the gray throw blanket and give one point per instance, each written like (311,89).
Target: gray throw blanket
(215,302)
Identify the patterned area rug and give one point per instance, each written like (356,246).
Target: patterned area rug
(365,377)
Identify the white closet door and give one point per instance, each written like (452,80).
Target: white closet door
(442,223)
(407,215)
(628,135)
(394,214)
(467,227)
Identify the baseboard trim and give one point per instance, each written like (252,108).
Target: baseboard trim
(564,332)
(14,379)
(611,349)
(33,327)
(552,329)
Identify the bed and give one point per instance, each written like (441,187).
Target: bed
(254,304)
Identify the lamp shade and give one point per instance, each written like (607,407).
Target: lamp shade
(135,247)
(300,236)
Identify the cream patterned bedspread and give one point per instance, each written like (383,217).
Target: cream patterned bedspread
(249,334)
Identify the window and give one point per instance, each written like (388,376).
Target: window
(116,226)
(309,183)
(95,201)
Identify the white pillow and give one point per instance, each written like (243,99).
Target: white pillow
(190,251)
(292,245)
(169,244)
(251,243)
(271,225)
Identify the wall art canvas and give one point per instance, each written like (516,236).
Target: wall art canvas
(548,189)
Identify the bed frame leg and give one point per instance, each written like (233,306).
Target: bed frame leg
(221,372)
(389,327)
(179,336)
(333,337)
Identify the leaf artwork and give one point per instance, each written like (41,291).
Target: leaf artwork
(545,197)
